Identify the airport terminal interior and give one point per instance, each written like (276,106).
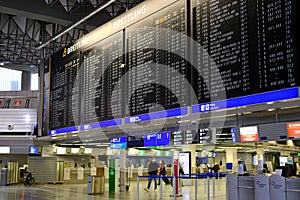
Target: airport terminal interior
(149,99)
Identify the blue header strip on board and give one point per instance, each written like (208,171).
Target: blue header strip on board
(277,95)
(157,115)
(63,130)
(102,124)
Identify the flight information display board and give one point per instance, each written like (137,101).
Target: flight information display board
(135,141)
(156,65)
(102,94)
(252,44)
(64,93)
(185,137)
(118,143)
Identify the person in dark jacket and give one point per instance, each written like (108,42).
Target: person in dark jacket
(153,167)
(216,169)
(163,172)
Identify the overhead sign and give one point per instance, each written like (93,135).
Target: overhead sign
(118,143)
(249,134)
(158,139)
(293,129)
(150,140)
(163,138)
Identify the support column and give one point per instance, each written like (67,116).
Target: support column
(26,81)
(123,170)
(231,157)
(260,160)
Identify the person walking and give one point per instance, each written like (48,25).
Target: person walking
(153,167)
(163,172)
(216,169)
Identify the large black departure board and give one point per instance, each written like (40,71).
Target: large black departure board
(156,64)
(142,64)
(252,44)
(64,93)
(102,71)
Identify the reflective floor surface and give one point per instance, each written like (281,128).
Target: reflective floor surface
(79,191)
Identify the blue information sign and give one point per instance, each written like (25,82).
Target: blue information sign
(163,138)
(150,140)
(118,143)
(33,150)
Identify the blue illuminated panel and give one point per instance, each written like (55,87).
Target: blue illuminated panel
(113,122)
(157,115)
(63,130)
(33,150)
(118,143)
(277,95)
(233,133)
(150,140)
(163,138)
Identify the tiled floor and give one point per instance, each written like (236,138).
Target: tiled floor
(79,191)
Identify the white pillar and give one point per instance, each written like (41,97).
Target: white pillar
(122,169)
(260,160)
(231,157)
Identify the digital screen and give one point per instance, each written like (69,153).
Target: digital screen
(150,140)
(293,129)
(233,134)
(102,92)
(178,137)
(4,150)
(185,161)
(64,92)
(118,143)
(135,141)
(205,136)
(33,150)
(247,47)
(202,160)
(191,137)
(249,134)
(283,160)
(251,47)
(212,154)
(157,70)
(163,138)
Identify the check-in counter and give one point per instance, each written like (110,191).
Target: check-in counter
(292,189)
(262,187)
(78,175)
(246,187)
(277,187)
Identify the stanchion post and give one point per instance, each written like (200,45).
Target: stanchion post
(196,187)
(160,187)
(208,188)
(137,187)
(174,187)
(214,188)
(203,181)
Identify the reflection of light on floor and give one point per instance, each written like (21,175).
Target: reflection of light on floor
(79,191)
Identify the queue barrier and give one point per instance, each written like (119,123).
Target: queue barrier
(197,176)
(262,187)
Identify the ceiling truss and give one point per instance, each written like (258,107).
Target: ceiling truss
(21,34)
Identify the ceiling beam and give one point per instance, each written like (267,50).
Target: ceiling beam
(39,10)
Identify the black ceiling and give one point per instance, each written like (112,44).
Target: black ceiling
(24,25)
